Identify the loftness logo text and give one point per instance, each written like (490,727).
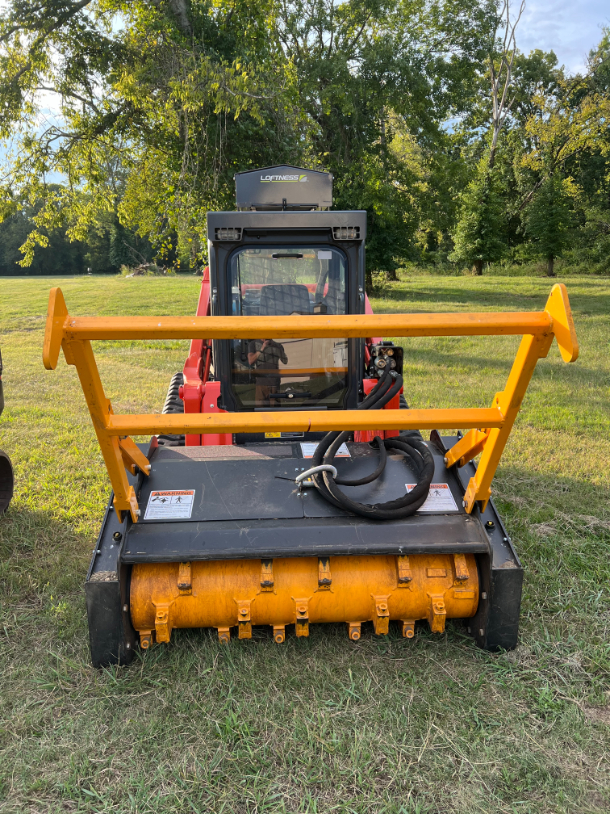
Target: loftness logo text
(274,179)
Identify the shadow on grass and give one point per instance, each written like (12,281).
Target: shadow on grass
(533,496)
(491,296)
(38,552)
(575,374)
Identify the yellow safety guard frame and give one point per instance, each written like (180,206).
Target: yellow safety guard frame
(490,427)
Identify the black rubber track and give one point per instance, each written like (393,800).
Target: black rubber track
(173,405)
(6,481)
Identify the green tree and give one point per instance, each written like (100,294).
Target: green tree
(370,75)
(158,103)
(162,101)
(58,255)
(479,233)
(548,218)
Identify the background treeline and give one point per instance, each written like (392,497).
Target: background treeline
(124,122)
(108,246)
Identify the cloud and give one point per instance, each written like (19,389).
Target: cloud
(570,29)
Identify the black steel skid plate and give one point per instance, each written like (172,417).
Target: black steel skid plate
(247,505)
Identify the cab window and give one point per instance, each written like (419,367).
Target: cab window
(288,281)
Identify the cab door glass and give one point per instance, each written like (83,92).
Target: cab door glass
(288,281)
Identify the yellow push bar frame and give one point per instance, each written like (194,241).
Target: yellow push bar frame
(74,335)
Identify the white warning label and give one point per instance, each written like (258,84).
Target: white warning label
(173,504)
(310,449)
(439,498)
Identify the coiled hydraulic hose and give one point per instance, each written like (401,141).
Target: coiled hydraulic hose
(414,450)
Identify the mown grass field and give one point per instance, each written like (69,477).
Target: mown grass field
(319,724)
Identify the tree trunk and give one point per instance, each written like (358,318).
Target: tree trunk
(391,276)
(180,11)
(477,268)
(550,266)
(492,152)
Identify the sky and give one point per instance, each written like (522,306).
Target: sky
(570,28)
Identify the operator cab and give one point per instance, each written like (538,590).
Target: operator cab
(286,254)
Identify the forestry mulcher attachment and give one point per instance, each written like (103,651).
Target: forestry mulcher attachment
(287,482)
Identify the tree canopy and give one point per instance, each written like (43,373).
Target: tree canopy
(129,119)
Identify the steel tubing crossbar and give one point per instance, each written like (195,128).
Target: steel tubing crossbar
(320,326)
(304,421)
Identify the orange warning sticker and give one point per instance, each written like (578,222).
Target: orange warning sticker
(170,504)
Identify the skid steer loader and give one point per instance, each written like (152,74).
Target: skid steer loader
(287,482)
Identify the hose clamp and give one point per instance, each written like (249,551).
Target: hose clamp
(314,470)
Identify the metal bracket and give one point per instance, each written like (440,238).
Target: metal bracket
(162,626)
(325,578)
(133,457)
(267,575)
(302,617)
(461,568)
(145,639)
(224,635)
(279,633)
(244,622)
(408,628)
(437,613)
(467,448)
(381,620)
(405,575)
(354,630)
(185,586)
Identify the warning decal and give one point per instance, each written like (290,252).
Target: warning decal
(310,449)
(174,504)
(439,498)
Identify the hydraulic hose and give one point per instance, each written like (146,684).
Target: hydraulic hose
(411,447)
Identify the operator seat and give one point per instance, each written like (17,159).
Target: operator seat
(282,300)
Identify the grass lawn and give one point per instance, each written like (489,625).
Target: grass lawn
(320,724)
